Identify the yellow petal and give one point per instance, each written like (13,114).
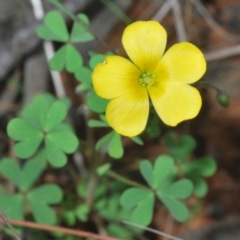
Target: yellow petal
(183,62)
(128,114)
(175,102)
(115,77)
(145,43)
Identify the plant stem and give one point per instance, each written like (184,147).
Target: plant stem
(5,220)
(61,7)
(127,181)
(58,229)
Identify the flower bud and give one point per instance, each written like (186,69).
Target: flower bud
(223,99)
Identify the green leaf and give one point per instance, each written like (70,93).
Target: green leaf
(56,115)
(28,114)
(67,56)
(69,217)
(96,103)
(179,148)
(96,59)
(97,123)
(200,187)
(84,75)
(55,155)
(40,198)
(41,105)
(80,33)
(23,177)
(18,129)
(104,141)
(115,148)
(54,28)
(142,201)
(177,209)
(146,170)
(82,212)
(66,141)
(180,189)
(12,206)
(103,169)
(205,167)
(164,165)
(137,140)
(27,148)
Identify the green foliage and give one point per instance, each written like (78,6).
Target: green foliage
(55,29)
(41,124)
(194,170)
(141,201)
(37,199)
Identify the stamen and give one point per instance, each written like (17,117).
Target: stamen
(147,80)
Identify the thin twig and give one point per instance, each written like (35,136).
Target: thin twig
(163,11)
(49,50)
(223,53)
(212,23)
(169,226)
(5,220)
(58,229)
(152,230)
(179,23)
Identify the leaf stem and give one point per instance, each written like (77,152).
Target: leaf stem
(126,180)
(6,221)
(58,229)
(61,7)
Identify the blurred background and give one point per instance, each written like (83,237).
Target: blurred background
(212,25)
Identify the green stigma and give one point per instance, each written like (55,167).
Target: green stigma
(147,80)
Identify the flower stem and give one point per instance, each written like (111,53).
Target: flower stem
(126,180)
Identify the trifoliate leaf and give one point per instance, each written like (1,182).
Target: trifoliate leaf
(115,148)
(23,177)
(205,167)
(40,198)
(177,209)
(180,148)
(27,148)
(82,212)
(96,103)
(180,189)
(200,187)
(84,75)
(103,169)
(12,206)
(56,115)
(96,59)
(164,165)
(67,56)
(54,154)
(104,141)
(97,123)
(18,129)
(146,170)
(79,32)
(142,201)
(66,141)
(54,28)
(137,140)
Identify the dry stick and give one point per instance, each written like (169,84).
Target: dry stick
(5,220)
(163,11)
(216,27)
(152,230)
(178,19)
(49,50)
(58,229)
(223,53)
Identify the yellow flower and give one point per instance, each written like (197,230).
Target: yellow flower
(164,78)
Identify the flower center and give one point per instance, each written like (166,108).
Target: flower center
(147,80)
